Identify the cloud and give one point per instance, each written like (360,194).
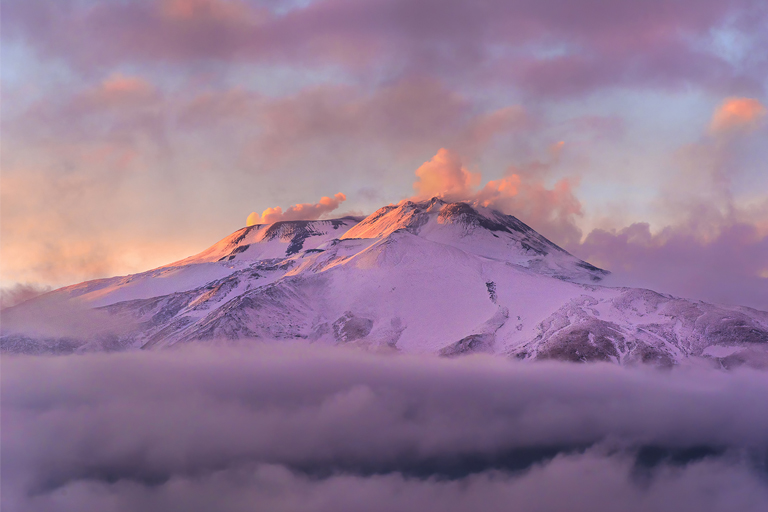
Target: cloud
(396,122)
(196,429)
(728,267)
(737,114)
(402,117)
(553,210)
(211,108)
(482,129)
(145,100)
(120,109)
(714,248)
(60,227)
(303,211)
(443,175)
(552,47)
(119,84)
(522,192)
(608,128)
(226,10)
(20,292)
(59,321)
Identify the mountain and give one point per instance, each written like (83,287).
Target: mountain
(419,277)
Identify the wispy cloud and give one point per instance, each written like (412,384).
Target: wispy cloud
(303,211)
(19,293)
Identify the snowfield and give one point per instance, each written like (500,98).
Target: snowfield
(428,277)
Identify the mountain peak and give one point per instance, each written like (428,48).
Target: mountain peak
(421,276)
(275,240)
(479,230)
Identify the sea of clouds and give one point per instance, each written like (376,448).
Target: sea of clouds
(299,428)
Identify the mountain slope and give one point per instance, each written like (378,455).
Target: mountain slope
(480,231)
(428,277)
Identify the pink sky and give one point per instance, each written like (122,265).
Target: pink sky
(135,133)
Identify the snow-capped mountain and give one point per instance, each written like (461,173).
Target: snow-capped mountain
(426,277)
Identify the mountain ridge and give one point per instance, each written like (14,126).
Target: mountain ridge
(424,277)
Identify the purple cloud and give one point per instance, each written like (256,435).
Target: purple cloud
(730,268)
(335,430)
(596,43)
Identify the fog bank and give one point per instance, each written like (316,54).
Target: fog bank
(296,428)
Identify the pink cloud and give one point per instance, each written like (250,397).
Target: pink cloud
(117,91)
(597,43)
(737,114)
(717,250)
(444,175)
(553,211)
(730,267)
(408,58)
(117,110)
(482,129)
(210,108)
(709,254)
(404,114)
(303,211)
(119,84)
(226,10)
(522,192)
(404,119)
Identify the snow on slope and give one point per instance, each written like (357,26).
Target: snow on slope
(426,277)
(480,231)
(262,242)
(276,240)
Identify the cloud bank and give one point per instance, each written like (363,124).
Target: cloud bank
(730,267)
(562,48)
(278,429)
(717,249)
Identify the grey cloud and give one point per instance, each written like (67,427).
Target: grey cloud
(287,429)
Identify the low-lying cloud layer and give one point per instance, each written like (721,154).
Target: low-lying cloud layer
(263,429)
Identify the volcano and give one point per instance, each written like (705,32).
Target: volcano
(417,277)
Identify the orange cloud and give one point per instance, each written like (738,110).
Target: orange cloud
(522,192)
(118,90)
(120,84)
(737,114)
(303,211)
(556,149)
(443,175)
(205,9)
